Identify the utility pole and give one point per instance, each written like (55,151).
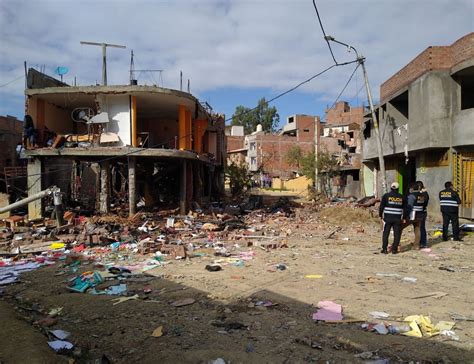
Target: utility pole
(104,57)
(316,153)
(361,61)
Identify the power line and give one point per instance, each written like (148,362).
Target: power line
(345,86)
(291,89)
(15,79)
(324,33)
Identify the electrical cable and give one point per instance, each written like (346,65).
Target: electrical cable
(324,33)
(291,89)
(345,86)
(9,82)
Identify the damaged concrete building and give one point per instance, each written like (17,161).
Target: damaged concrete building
(119,146)
(426,121)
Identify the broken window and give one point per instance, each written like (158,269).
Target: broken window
(465,79)
(401,103)
(367,129)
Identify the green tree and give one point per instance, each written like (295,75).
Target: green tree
(263,114)
(239,178)
(306,162)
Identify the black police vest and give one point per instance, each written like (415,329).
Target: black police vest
(448,201)
(394,205)
(419,205)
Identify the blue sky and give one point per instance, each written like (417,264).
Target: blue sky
(234,52)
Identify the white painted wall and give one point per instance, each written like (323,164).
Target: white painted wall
(119,113)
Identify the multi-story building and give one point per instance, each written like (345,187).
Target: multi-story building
(426,123)
(266,152)
(111,143)
(12,169)
(10,136)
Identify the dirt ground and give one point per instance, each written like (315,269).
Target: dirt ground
(226,322)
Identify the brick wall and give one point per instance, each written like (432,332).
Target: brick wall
(343,113)
(11,130)
(235,142)
(431,59)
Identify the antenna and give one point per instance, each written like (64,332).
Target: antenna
(104,57)
(132,70)
(61,71)
(181,80)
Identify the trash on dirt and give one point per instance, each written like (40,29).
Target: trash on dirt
(116,290)
(158,332)
(124,299)
(183,302)
(47,322)
(379,314)
(366,355)
(381,329)
(328,311)
(213,267)
(265,303)
(421,326)
(85,281)
(450,334)
(10,273)
(60,345)
(57,245)
(60,334)
(467,227)
(395,275)
(460,317)
(449,269)
(217,361)
(313,276)
(409,279)
(308,342)
(228,326)
(437,295)
(55,311)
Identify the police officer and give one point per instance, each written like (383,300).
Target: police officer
(449,202)
(391,211)
(423,214)
(420,201)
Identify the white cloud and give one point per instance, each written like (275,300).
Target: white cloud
(241,44)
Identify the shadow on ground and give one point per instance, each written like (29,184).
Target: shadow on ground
(238,331)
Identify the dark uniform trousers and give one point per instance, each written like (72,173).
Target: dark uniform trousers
(452,217)
(396,225)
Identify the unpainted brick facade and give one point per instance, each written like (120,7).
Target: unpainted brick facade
(431,59)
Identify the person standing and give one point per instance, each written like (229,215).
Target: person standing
(449,202)
(415,212)
(391,211)
(423,214)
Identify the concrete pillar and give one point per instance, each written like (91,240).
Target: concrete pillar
(182,188)
(34,186)
(182,127)
(133,103)
(149,190)
(188,130)
(132,198)
(104,194)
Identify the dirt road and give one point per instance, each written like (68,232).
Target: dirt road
(227,320)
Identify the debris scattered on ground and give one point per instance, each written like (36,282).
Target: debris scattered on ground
(328,311)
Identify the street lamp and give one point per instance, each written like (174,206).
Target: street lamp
(361,61)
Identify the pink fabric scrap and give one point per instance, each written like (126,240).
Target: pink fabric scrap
(328,311)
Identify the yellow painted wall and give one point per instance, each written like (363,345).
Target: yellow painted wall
(295,184)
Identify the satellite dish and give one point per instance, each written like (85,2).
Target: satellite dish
(61,71)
